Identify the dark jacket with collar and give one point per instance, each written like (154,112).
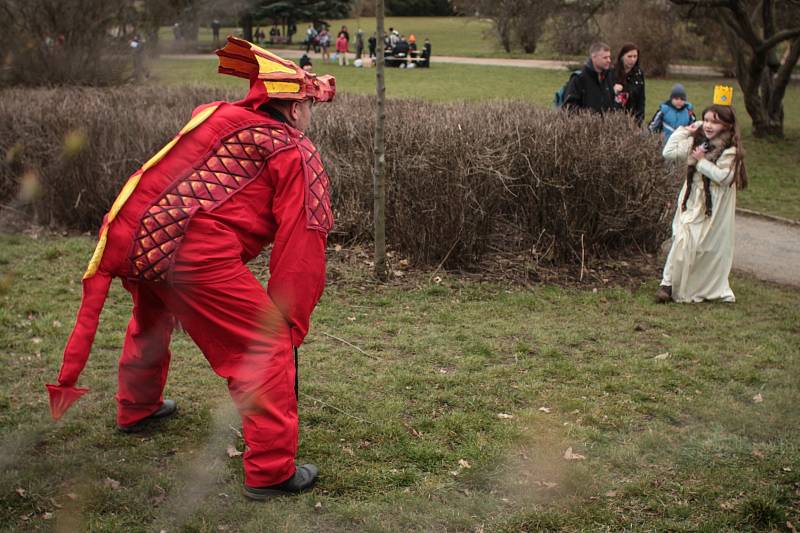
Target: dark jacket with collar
(590,90)
(631,98)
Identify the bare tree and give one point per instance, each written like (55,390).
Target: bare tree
(754,29)
(522,22)
(379,170)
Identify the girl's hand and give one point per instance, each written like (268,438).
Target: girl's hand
(693,127)
(698,153)
(617,88)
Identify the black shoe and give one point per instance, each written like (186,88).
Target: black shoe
(167,409)
(664,294)
(303,479)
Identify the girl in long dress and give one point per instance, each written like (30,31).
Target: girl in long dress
(701,255)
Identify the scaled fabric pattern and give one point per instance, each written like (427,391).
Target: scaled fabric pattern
(179,235)
(701,256)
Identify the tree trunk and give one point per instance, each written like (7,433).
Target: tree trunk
(247,26)
(379,171)
(753,38)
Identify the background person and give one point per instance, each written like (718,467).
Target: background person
(311,38)
(426,54)
(359,44)
(701,255)
(325,43)
(341,50)
(593,88)
(629,82)
(675,112)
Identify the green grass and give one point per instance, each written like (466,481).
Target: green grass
(773,165)
(455,36)
(676,444)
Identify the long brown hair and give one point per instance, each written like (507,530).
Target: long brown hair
(619,68)
(727,116)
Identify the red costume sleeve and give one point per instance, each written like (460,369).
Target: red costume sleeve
(297,262)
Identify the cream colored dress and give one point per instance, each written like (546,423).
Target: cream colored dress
(701,255)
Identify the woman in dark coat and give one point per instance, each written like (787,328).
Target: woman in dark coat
(629,82)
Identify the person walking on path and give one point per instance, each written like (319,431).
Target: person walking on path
(373,43)
(237,177)
(629,87)
(593,87)
(677,111)
(216,25)
(700,258)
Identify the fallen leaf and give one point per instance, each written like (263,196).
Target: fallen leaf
(463,463)
(791,527)
(72,496)
(349,451)
(351,318)
(56,323)
(611,494)
(337,248)
(232,451)
(398,273)
(113,484)
(22,492)
(404,262)
(318,505)
(569,456)
(549,484)
(758,398)
(237,432)
(758,453)
(787,469)
(727,506)
(36,340)
(437,279)
(47,516)
(545,410)
(505,416)
(662,356)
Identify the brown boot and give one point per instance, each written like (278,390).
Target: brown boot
(664,294)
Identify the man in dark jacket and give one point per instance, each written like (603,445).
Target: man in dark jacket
(593,88)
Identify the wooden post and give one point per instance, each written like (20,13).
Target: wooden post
(379,170)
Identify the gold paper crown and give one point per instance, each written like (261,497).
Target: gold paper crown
(723,95)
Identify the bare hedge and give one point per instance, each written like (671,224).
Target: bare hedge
(464,179)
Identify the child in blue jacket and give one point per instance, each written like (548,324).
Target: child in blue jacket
(672,114)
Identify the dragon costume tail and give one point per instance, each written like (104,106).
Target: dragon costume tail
(76,353)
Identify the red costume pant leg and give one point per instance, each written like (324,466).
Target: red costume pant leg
(246,341)
(145,356)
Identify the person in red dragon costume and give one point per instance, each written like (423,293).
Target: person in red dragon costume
(237,177)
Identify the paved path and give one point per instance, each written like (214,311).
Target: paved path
(767,249)
(547,64)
